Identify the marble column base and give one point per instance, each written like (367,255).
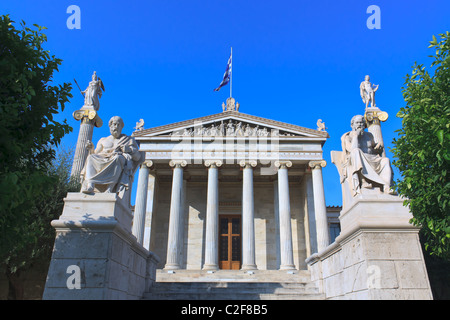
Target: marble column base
(249,267)
(212,267)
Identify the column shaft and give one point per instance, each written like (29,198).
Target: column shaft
(323,237)
(174,243)
(151,193)
(248,216)
(81,152)
(286,250)
(375,129)
(212,219)
(141,203)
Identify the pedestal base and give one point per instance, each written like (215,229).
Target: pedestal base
(376,256)
(95,256)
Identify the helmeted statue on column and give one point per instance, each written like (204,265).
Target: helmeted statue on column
(363,164)
(93,92)
(111,166)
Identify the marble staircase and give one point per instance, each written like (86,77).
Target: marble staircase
(233,285)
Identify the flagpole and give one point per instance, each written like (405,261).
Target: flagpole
(231,76)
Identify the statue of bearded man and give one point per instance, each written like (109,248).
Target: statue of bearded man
(364,165)
(111,165)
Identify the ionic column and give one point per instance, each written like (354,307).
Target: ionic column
(212,216)
(373,116)
(89,119)
(175,228)
(141,202)
(286,250)
(248,217)
(151,192)
(320,208)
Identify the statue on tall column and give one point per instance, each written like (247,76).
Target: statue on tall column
(111,166)
(364,166)
(93,92)
(367,91)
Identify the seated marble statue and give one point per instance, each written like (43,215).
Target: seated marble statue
(111,165)
(363,166)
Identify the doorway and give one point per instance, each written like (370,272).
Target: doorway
(230,242)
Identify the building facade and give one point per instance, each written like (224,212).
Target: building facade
(231,191)
(232,206)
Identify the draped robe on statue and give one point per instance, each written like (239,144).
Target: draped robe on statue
(112,167)
(365,162)
(92,93)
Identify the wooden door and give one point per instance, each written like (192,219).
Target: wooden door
(230,242)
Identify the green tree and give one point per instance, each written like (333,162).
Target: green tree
(28,131)
(35,248)
(422,150)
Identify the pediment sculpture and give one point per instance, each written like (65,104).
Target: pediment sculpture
(230,128)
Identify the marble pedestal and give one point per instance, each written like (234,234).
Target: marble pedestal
(377,256)
(95,249)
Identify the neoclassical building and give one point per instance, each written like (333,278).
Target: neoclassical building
(232,206)
(231,191)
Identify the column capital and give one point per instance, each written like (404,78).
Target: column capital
(317,164)
(213,163)
(375,115)
(88,116)
(147,163)
(283,164)
(248,163)
(178,163)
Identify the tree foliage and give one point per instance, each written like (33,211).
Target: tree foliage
(28,131)
(34,247)
(422,150)
(40,235)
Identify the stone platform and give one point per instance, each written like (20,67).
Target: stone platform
(377,256)
(232,276)
(95,255)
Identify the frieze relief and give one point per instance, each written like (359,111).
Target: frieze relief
(230,128)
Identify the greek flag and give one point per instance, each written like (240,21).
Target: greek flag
(226,75)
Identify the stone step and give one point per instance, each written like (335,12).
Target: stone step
(242,287)
(232,291)
(233,276)
(232,296)
(233,285)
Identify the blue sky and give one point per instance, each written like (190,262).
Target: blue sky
(293,61)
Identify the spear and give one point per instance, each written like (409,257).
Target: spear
(78,87)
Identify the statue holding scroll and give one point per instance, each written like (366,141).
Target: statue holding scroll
(111,166)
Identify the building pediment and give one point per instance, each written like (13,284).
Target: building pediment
(230,124)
